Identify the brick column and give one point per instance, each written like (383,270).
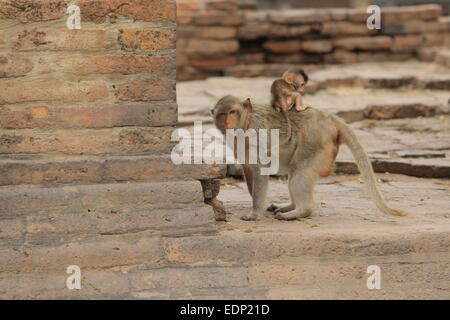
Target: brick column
(86,118)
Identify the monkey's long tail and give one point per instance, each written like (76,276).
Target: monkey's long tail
(366,170)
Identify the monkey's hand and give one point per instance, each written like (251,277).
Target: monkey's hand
(300,107)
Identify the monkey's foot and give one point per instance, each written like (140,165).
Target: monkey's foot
(250,218)
(276,209)
(292,215)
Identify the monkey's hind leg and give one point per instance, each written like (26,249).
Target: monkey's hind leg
(276,209)
(301,187)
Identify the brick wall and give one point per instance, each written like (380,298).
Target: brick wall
(86,118)
(216,37)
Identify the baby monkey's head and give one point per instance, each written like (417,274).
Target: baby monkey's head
(297,78)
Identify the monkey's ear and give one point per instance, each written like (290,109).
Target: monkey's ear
(248,105)
(288,77)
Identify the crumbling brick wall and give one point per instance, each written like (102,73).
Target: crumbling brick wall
(219,37)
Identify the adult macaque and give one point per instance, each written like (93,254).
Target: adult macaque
(309,155)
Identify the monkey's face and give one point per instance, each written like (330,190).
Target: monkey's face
(228,119)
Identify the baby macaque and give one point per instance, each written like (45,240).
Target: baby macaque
(287,92)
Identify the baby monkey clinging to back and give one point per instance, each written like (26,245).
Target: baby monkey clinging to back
(287,92)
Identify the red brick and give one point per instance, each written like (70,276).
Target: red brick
(345,28)
(143,89)
(12,66)
(99,11)
(213,64)
(86,141)
(61,39)
(279,30)
(95,116)
(52,90)
(317,46)
(32,10)
(407,43)
(341,56)
(251,58)
(298,16)
(253,31)
(187,5)
(216,32)
(364,43)
(218,18)
(84,64)
(221,5)
(147,40)
(280,46)
(212,47)
(408,13)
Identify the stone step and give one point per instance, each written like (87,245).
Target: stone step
(403,276)
(47,226)
(425,168)
(25,198)
(86,141)
(51,169)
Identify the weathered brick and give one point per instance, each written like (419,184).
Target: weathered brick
(298,16)
(413,27)
(435,39)
(147,40)
(279,30)
(187,277)
(364,43)
(221,5)
(213,64)
(99,11)
(81,65)
(253,31)
(86,141)
(382,56)
(11,228)
(221,32)
(251,58)
(408,13)
(100,284)
(283,46)
(212,47)
(317,46)
(61,39)
(294,58)
(34,170)
(345,28)
(406,43)
(98,116)
(52,90)
(341,56)
(218,18)
(12,66)
(184,19)
(188,5)
(89,252)
(394,111)
(32,10)
(142,89)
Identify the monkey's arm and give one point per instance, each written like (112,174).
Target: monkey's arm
(248,174)
(259,193)
(299,103)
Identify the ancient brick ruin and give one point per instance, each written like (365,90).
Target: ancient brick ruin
(221,38)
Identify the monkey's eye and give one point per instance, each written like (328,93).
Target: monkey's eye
(232,112)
